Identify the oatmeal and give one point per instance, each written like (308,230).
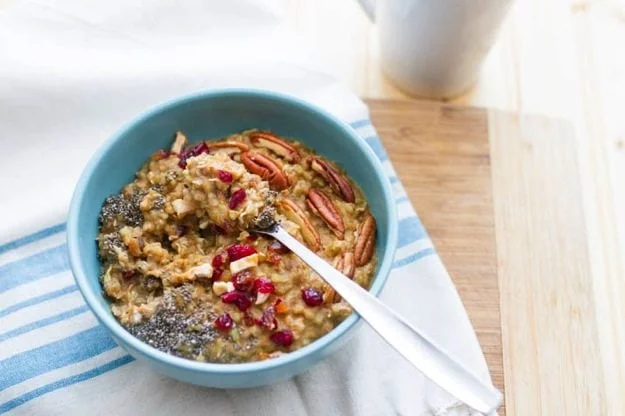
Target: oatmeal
(185,275)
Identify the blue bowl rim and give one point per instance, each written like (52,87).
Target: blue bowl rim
(138,346)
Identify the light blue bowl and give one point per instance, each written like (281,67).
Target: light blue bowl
(207,115)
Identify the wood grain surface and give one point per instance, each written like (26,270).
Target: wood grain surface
(441,153)
(503,198)
(549,326)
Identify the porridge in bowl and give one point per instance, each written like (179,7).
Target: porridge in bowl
(184,273)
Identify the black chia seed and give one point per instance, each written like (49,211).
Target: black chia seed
(125,211)
(266,219)
(174,332)
(159,202)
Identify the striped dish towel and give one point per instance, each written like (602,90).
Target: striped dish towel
(70,76)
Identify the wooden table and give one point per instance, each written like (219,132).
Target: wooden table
(558,187)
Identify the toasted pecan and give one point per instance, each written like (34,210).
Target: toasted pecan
(274,143)
(337,182)
(229,147)
(348,264)
(329,294)
(344,264)
(266,168)
(294,213)
(365,241)
(322,205)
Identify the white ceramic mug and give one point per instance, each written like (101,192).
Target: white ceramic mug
(435,48)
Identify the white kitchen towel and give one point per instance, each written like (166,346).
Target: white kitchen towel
(72,72)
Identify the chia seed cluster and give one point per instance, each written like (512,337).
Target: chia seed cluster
(174,332)
(266,219)
(159,202)
(126,211)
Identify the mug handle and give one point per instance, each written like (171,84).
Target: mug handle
(369,7)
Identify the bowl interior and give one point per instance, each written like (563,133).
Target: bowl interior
(212,115)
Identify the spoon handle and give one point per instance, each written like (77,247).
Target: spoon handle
(430,359)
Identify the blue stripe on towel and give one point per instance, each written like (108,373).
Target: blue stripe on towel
(68,381)
(43,322)
(360,123)
(410,230)
(38,299)
(414,257)
(46,232)
(43,264)
(70,350)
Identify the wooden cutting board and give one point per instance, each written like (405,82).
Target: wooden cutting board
(441,154)
(508,202)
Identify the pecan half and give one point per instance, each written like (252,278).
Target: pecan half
(365,241)
(337,182)
(266,168)
(329,294)
(344,264)
(347,264)
(274,143)
(322,205)
(294,213)
(228,148)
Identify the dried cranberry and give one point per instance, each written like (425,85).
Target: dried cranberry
(217,272)
(236,198)
(182,162)
(264,285)
(200,148)
(278,247)
(224,176)
(238,251)
(283,338)
(238,298)
(248,320)
(252,237)
(312,296)
(268,319)
(190,152)
(224,322)
(129,274)
(243,281)
(219,260)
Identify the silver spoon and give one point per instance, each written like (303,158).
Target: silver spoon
(430,359)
